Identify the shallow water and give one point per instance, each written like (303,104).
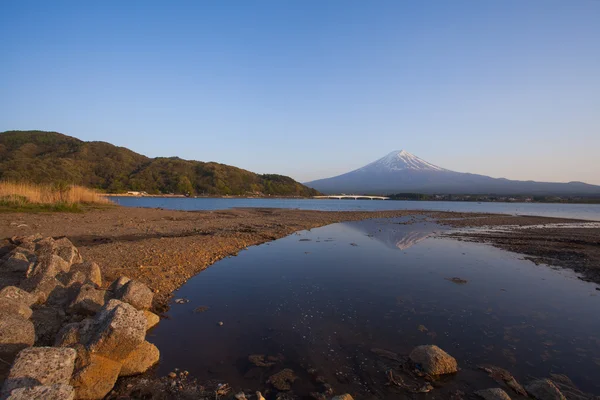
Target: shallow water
(324,298)
(579,211)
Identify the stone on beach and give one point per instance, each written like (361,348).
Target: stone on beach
(67,251)
(118,284)
(119,329)
(433,360)
(544,389)
(15,307)
(14,293)
(137,294)
(96,378)
(83,273)
(89,300)
(493,394)
(151,319)
(43,392)
(16,333)
(42,287)
(41,366)
(19,261)
(48,265)
(140,360)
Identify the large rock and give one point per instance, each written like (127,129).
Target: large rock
(14,293)
(433,360)
(47,322)
(89,300)
(41,366)
(75,332)
(48,265)
(43,392)
(97,378)
(119,329)
(44,287)
(151,319)
(137,294)
(82,273)
(118,284)
(493,394)
(65,250)
(19,261)
(14,307)
(544,389)
(16,333)
(140,360)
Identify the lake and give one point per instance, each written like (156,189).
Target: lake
(317,302)
(578,211)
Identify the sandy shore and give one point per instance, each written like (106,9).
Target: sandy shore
(165,248)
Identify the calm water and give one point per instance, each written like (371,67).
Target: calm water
(580,211)
(324,298)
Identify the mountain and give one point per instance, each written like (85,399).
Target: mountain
(51,157)
(402,172)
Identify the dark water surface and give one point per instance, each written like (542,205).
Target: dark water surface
(324,298)
(579,211)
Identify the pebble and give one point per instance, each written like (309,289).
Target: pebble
(220,323)
(172,375)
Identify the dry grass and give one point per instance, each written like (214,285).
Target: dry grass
(27,195)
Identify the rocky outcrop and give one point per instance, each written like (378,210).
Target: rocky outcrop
(544,389)
(98,335)
(433,360)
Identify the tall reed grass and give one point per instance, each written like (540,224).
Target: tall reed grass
(22,194)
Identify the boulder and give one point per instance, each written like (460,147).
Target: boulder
(97,378)
(151,319)
(135,293)
(118,284)
(119,328)
(140,360)
(31,239)
(41,366)
(43,287)
(493,394)
(48,265)
(19,261)
(75,332)
(433,360)
(47,322)
(89,300)
(65,250)
(43,392)
(14,293)
(544,389)
(345,396)
(16,333)
(14,307)
(82,273)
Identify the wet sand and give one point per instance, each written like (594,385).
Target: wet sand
(164,248)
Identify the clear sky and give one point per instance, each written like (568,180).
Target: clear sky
(314,88)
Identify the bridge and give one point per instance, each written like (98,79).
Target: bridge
(351,196)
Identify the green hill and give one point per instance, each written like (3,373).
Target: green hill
(51,157)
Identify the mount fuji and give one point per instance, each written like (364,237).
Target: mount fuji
(402,172)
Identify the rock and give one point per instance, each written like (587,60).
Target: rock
(240,396)
(48,265)
(31,239)
(493,394)
(544,389)
(65,250)
(16,333)
(259,396)
(43,392)
(137,294)
(75,332)
(82,273)
(97,378)
(220,323)
(14,293)
(14,307)
(283,379)
(344,396)
(43,287)
(18,262)
(140,360)
(119,329)
(151,319)
(89,300)
(118,284)
(433,360)
(41,366)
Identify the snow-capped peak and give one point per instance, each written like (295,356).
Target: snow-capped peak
(400,160)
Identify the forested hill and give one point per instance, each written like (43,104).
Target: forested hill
(51,157)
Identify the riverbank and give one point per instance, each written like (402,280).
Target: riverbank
(164,248)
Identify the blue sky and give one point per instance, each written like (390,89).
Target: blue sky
(313,88)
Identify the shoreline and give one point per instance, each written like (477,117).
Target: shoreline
(165,248)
